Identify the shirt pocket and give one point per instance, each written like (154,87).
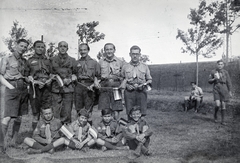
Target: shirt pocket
(142,74)
(129,73)
(14,69)
(42,131)
(104,70)
(91,71)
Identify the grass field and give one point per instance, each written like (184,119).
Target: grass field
(179,137)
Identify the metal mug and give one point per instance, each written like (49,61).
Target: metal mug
(117,94)
(148,88)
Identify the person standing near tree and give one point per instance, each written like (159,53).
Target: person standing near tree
(62,90)
(88,72)
(111,68)
(12,69)
(38,70)
(222,89)
(136,78)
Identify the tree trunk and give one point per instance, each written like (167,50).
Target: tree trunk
(227,34)
(197,68)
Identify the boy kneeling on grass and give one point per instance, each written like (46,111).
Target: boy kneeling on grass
(109,133)
(137,134)
(46,133)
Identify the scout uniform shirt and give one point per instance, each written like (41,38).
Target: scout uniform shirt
(222,85)
(136,73)
(40,134)
(223,78)
(196,92)
(64,66)
(80,132)
(135,128)
(111,69)
(109,130)
(12,66)
(88,69)
(39,67)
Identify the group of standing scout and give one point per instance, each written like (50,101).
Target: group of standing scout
(56,83)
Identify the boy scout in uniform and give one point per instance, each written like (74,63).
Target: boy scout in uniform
(38,70)
(81,138)
(46,133)
(88,72)
(137,133)
(222,87)
(62,94)
(110,77)
(109,133)
(136,77)
(16,95)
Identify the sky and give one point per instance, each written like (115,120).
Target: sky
(150,24)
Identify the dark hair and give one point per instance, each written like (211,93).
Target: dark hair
(85,45)
(109,44)
(38,41)
(193,83)
(45,108)
(220,61)
(22,40)
(135,108)
(106,111)
(135,47)
(62,42)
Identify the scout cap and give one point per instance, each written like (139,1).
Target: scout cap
(83,112)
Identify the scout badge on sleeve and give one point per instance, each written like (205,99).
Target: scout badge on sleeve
(5,82)
(92,132)
(66,132)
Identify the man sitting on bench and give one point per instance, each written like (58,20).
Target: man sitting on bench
(195,99)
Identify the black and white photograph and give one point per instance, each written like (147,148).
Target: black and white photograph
(119,81)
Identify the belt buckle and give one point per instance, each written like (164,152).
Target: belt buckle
(110,80)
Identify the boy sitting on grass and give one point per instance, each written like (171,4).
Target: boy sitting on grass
(82,139)
(46,133)
(137,134)
(109,133)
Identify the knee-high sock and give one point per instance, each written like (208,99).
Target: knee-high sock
(215,113)
(37,145)
(16,127)
(72,145)
(47,148)
(109,145)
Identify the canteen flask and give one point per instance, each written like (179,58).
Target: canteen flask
(117,94)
